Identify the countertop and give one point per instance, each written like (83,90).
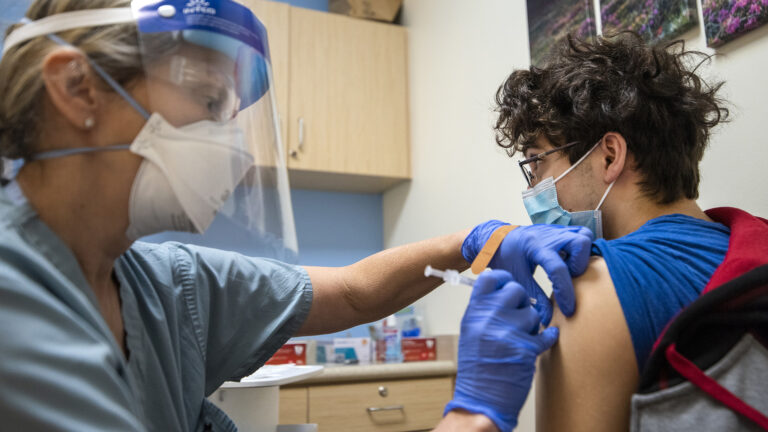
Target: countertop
(373,372)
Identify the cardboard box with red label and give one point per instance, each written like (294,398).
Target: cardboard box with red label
(297,352)
(419,349)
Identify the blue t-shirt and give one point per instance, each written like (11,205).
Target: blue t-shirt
(659,269)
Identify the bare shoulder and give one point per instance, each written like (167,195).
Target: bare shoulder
(585,382)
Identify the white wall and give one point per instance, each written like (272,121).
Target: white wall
(460,52)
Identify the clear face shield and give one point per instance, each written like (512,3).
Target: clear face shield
(211,135)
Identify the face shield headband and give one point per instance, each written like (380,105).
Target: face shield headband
(223,26)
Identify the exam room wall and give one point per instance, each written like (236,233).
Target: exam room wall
(459,53)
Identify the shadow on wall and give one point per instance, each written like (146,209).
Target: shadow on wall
(336,229)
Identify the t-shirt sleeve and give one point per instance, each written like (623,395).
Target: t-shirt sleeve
(56,374)
(244,308)
(654,281)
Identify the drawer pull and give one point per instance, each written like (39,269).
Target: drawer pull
(372,410)
(383,392)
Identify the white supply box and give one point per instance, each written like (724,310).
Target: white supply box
(360,348)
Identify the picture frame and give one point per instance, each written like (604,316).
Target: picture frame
(726,20)
(655,20)
(551,21)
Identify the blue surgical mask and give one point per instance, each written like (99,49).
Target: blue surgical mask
(543,207)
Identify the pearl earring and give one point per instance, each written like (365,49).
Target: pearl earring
(90,122)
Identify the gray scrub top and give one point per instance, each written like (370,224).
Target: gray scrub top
(194,318)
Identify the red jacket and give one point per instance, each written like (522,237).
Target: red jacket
(747,247)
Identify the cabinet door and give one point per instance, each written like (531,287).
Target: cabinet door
(388,406)
(348,96)
(276,18)
(293,405)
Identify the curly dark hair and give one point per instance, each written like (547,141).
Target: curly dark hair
(651,95)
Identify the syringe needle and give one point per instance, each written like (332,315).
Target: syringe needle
(454,277)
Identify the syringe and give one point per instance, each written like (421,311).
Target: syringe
(449,276)
(453,277)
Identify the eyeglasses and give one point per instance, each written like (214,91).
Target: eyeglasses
(527,164)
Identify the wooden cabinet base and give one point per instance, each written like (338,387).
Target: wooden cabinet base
(293,405)
(391,406)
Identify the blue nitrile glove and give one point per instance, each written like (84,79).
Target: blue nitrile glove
(498,346)
(563,252)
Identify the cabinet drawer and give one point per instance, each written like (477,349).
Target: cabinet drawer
(405,405)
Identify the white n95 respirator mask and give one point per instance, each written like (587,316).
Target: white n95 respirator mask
(187,175)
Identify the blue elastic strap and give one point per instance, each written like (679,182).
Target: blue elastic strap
(53,154)
(105,76)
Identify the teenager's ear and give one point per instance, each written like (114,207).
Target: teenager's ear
(614,148)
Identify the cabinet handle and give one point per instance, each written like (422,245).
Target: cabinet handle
(387,408)
(383,392)
(301,134)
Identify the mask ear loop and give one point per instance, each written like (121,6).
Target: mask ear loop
(605,195)
(105,76)
(577,162)
(109,80)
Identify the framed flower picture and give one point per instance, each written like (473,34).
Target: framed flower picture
(725,20)
(655,20)
(550,21)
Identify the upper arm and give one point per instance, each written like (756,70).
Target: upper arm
(333,307)
(586,380)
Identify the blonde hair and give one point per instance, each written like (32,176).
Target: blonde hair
(115,48)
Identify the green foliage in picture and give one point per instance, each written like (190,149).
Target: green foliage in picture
(655,20)
(550,21)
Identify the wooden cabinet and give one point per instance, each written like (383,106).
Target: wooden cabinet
(388,406)
(294,407)
(349,95)
(342,95)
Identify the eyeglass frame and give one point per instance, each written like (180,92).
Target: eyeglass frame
(539,157)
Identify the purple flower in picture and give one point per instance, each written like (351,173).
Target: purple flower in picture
(764,2)
(724,14)
(751,23)
(732,25)
(754,9)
